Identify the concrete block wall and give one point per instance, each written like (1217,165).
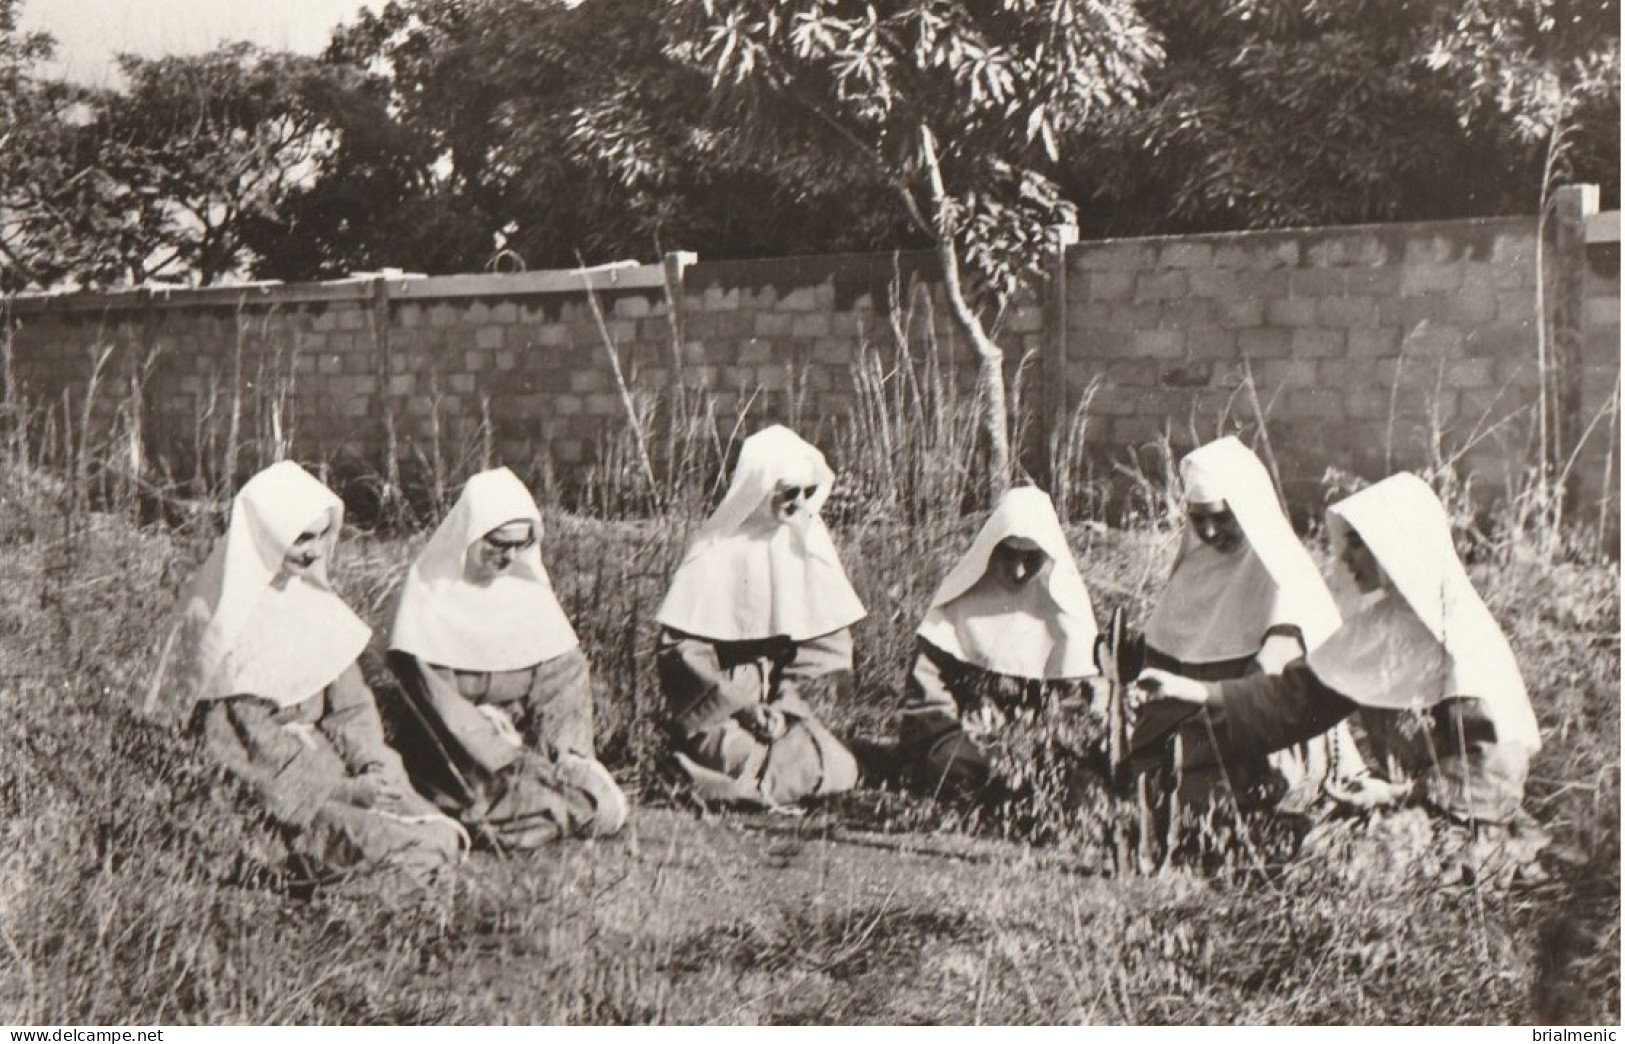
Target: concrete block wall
(1363,343)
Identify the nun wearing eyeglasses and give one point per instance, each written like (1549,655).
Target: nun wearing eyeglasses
(756,635)
(1418,655)
(497,720)
(1010,633)
(1244,598)
(267,654)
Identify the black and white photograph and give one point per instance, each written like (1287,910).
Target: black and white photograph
(809,512)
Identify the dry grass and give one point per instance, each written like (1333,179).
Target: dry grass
(135,889)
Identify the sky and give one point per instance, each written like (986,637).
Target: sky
(89,32)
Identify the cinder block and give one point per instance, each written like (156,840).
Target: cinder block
(852,325)
(1118,256)
(1373,342)
(1245,312)
(1345,312)
(1469,305)
(1362,400)
(1161,285)
(1158,344)
(408,315)
(834,351)
(1469,373)
(1317,343)
(1322,405)
(1277,373)
(602,405)
(810,326)
(1289,311)
(759,300)
(755,351)
(568,450)
(1264,343)
(719,299)
(1433,341)
(586,381)
(1211,343)
(1223,283)
(1257,253)
(1186,254)
(1512,276)
(1514,247)
(801,299)
(772,377)
(1109,285)
(1186,313)
(1420,278)
(1318,282)
(1341,373)
(1518,371)
(1347,249)
(631,306)
(774,324)
(1430,250)
(489,337)
(1377,282)
(1406,312)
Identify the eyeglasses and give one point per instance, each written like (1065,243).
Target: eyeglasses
(791,494)
(500,546)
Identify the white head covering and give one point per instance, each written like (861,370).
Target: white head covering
(247,628)
(1428,636)
(1217,606)
(1044,629)
(512,622)
(749,576)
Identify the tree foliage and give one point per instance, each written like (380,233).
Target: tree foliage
(446,135)
(167,177)
(959,109)
(1299,112)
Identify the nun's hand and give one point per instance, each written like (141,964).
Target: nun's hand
(1154,684)
(369,790)
(764,721)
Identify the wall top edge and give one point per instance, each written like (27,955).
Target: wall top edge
(607,278)
(1509,222)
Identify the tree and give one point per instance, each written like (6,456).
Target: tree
(205,145)
(955,107)
(1271,113)
(550,131)
(38,119)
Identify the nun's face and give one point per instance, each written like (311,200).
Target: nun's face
(495,552)
(793,500)
(1360,562)
(1216,525)
(303,558)
(1016,562)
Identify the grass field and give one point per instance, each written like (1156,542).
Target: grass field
(133,890)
